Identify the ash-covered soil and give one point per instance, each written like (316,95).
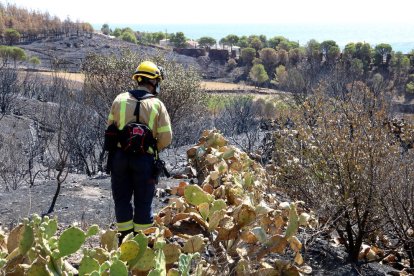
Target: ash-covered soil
(82,200)
(69,52)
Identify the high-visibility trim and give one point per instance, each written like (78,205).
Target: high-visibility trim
(153,114)
(124,226)
(111,116)
(139,227)
(122,111)
(166,128)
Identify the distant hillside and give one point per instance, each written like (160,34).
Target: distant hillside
(69,52)
(33,25)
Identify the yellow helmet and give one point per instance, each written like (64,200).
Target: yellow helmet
(149,70)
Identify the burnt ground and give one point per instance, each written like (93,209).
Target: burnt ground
(82,199)
(70,51)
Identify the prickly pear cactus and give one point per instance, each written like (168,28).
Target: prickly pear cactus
(26,239)
(38,268)
(129,250)
(70,241)
(159,269)
(195,195)
(109,240)
(92,230)
(142,242)
(48,227)
(146,262)
(118,268)
(172,253)
(88,265)
(184,263)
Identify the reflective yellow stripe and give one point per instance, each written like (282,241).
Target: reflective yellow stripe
(122,110)
(166,128)
(154,112)
(123,226)
(139,227)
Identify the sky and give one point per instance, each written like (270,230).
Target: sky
(225,12)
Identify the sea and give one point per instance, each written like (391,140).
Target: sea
(399,36)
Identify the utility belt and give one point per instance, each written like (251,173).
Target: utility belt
(134,139)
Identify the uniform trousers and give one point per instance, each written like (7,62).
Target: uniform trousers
(132,176)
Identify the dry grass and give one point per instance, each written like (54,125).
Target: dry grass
(79,77)
(211,86)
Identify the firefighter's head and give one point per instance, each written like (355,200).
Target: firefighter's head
(149,73)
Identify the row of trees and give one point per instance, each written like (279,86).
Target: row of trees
(20,25)
(300,69)
(177,39)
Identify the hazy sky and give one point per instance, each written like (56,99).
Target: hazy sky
(219,11)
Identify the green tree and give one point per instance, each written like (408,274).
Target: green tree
(258,74)
(243,42)
(117,32)
(35,61)
(280,74)
(178,39)
(296,55)
(223,42)
(158,36)
(18,54)
(129,37)
(269,58)
(263,39)
(349,51)
(274,41)
(207,42)
(105,29)
(11,36)
(330,50)
(313,50)
(382,53)
(232,40)
(282,57)
(12,53)
(287,45)
(363,51)
(400,66)
(247,55)
(256,43)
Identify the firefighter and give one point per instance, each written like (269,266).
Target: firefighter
(132,174)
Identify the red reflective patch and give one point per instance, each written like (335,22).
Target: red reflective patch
(137,131)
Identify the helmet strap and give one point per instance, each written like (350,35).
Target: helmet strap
(158,88)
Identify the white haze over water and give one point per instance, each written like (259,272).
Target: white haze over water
(399,36)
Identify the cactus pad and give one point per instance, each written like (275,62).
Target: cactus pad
(118,268)
(172,253)
(195,195)
(194,244)
(109,240)
(147,261)
(88,265)
(70,241)
(26,239)
(129,250)
(92,230)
